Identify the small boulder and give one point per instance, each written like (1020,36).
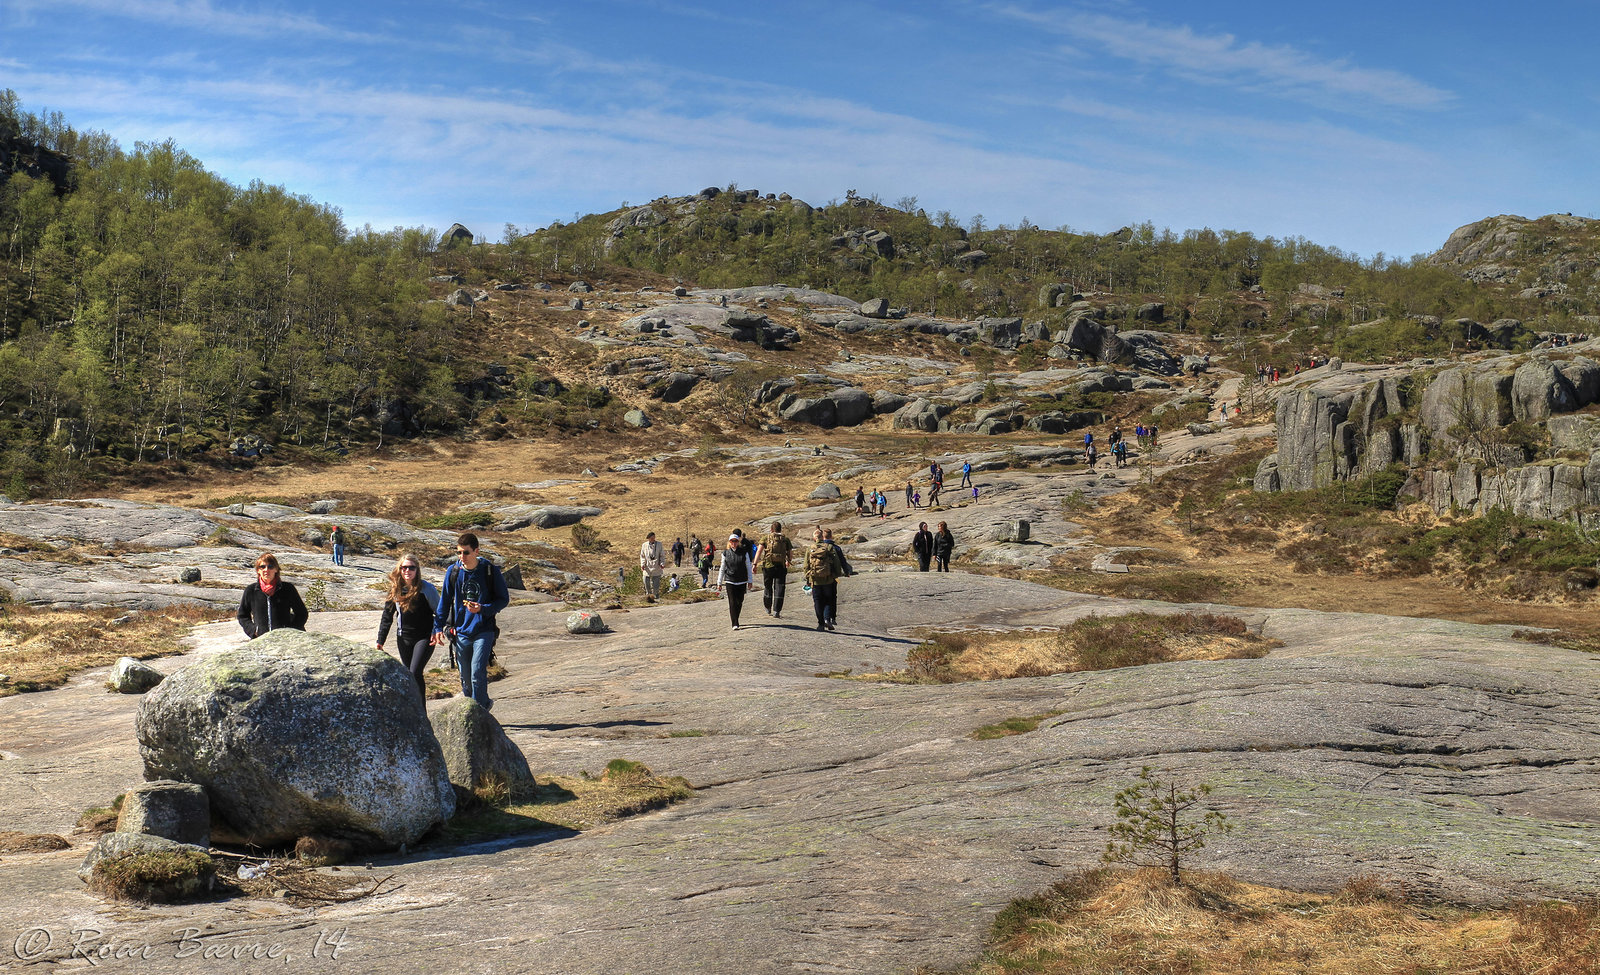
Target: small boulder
(476,749)
(178,811)
(636,419)
(131,676)
(189,575)
(1015,531)
(141,867)
(513,577)
(584,621)
(826,492)
(325,506)
(874,308)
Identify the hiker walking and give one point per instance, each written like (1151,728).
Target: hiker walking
(933,493)
(922,546)
(411,602)
(824,566)
(336,540)
(271,602)
(1119,452)
(677,553)
(735,576)
(652,562)
(773,556)
(704,561)
(474,593)
(966,474)
(695,548)
(944,544)
(911,490)
(861,501)
(1090,454)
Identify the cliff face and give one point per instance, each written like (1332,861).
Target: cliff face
(17,156)
(1502,431)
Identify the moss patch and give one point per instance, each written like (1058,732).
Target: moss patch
(577,803)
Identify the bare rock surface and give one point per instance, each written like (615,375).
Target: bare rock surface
(847,826)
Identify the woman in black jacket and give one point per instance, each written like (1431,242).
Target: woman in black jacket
(944,544)
(270,603)
(415,600)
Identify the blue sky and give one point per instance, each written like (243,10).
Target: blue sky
(1366,126)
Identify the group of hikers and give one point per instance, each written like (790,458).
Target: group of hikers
(461,616)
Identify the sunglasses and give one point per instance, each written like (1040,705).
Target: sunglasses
(408,568)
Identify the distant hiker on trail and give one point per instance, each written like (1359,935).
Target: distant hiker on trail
(933,494)
(861,501)
(336,540)
(1154,433)
(922,546)
(1119,452)
(944,544)
(773,557)
(695,548)
(672,584)
(1116,435)
(652,562)
(270,603)
(824,566)
(1088,439)
(974,494)
(703,563)
(415,600)
(735,576)
(1090,455)
(966,474)
(474,593)
(916,499)
(911,492)
(677,552)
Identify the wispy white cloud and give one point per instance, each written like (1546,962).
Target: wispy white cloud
(1225,59)
(198,15)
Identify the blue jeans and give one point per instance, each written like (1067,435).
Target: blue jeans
(472,654)
(338,555)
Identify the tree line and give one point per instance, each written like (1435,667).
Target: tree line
(150,309)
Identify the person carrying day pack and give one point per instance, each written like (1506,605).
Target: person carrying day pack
(474,593)
(773,556)
(735,576)
(824,566)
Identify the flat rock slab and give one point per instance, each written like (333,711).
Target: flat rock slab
(844,826)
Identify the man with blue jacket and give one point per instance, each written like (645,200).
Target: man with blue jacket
(474,591)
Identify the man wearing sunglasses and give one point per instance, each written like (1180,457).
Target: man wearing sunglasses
(474,592)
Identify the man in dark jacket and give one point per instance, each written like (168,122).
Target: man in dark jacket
(474,592)
(922,545)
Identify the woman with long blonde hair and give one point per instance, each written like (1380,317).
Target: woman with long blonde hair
(415,599)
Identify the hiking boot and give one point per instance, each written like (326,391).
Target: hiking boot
(822,626)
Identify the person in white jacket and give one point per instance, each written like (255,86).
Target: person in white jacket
(652,562)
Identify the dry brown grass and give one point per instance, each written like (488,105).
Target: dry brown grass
(577,803)
(1135,922)
(41,649)
(1092,643)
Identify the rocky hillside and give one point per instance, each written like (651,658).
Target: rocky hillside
(1556,257)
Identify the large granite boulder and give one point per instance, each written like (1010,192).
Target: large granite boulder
(819,412)
(874,308)
(178,811)
(884,401)
(851,407)
(921,414)
(297,734)
(1002,333)
(476,750)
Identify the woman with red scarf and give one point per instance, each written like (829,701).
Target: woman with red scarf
(270,603)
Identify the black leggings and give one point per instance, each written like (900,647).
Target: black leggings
(735,593)
(414,653)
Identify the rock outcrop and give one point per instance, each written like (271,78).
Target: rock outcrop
(1495,432)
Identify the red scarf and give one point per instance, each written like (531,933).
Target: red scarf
(268,588)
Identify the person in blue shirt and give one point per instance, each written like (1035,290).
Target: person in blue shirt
(474,592)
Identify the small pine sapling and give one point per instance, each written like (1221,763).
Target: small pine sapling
(1159,824)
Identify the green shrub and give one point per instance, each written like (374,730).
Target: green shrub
(457,521)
